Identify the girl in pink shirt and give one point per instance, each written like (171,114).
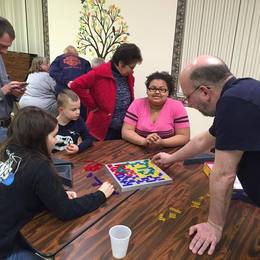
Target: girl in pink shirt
(157,120)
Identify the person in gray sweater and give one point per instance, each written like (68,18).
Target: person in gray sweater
(40,91)
(10,91)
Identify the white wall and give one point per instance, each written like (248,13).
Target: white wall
(63,18)
(198,122)
(151,27)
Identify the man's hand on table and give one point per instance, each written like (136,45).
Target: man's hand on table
(207,235)
(162,159)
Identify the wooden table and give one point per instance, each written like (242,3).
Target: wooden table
(87,237)
(155,239)
(48,235)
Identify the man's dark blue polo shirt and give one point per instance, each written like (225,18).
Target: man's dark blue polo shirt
(237,127)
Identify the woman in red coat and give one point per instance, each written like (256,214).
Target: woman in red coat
(107,91)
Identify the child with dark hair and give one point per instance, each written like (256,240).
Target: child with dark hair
(73,135)
(157,120)
(29,183)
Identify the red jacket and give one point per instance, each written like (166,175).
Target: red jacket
(97,90)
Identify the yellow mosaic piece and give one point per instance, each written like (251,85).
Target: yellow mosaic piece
(195,206)
(172,215)
(196,202)
(161,217)
(175,210)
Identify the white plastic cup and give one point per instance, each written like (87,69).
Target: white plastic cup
(119,236)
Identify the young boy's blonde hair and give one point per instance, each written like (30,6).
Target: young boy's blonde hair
(65,95)
(36,64)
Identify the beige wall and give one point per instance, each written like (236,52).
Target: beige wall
(151,27)
(63,17)
(198,122)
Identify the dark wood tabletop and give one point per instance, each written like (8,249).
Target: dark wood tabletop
(153,238)
(48,235)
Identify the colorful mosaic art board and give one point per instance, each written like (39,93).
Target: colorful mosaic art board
(139,174)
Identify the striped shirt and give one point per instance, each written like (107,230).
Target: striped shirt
(172,116)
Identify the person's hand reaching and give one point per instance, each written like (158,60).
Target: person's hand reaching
(107,189)
(162,159)
(71,194)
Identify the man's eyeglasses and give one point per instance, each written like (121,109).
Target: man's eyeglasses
(186,99)
(160,90)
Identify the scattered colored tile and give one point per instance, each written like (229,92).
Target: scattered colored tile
(195,206)
(98,180)
(172,215)
(175,210)
(90,174)
(93,167)
(196,202)
(161,217)
(95,184)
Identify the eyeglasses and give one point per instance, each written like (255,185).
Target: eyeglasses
(160,90)
(132,67)
(186,99)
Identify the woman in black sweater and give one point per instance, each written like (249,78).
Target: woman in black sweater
(29,183)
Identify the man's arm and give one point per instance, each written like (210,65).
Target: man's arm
(221,185)
(199,144)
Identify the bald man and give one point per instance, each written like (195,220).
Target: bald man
(210,88)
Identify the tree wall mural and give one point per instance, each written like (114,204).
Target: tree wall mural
(101,30)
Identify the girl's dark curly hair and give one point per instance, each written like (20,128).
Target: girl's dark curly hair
(162,76)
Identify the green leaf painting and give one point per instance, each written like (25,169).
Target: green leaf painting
(102,29)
